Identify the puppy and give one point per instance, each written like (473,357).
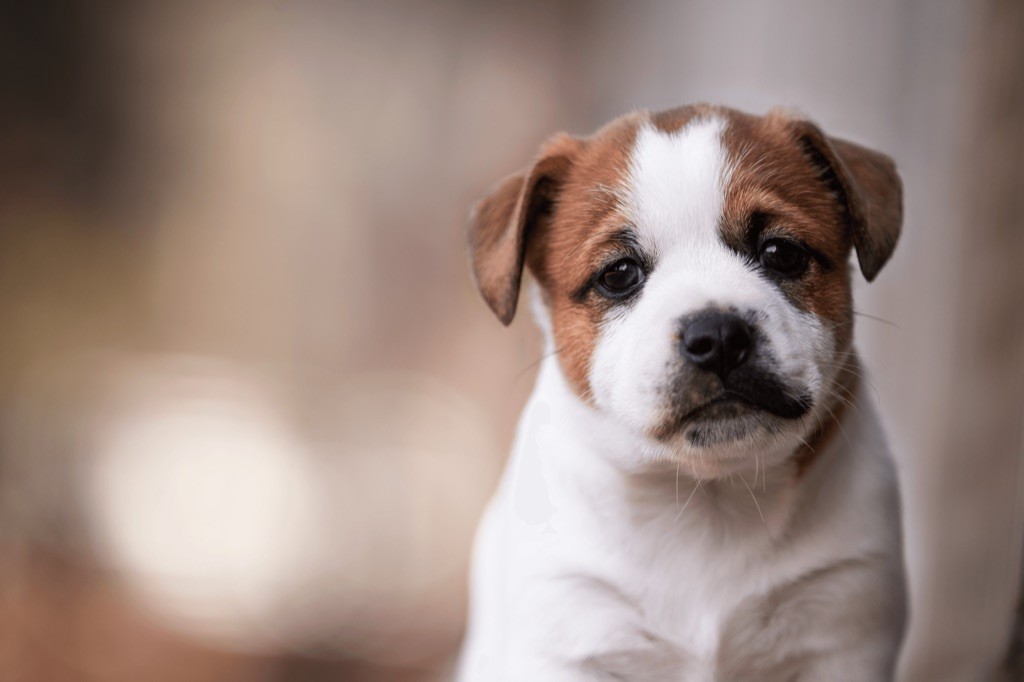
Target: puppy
(699,489)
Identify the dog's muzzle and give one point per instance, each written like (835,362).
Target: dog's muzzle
(727,372)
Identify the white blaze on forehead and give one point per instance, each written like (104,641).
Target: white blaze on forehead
(677,182)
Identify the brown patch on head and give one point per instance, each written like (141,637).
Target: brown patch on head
(789,180)
(583,235)
(775,191)
(562,218)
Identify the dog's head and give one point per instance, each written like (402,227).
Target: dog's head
(692,266)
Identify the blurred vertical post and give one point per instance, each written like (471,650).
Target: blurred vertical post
(966,600)
(1001,122)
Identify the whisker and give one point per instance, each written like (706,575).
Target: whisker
(754,498)
(764,475)
(877,319)
(757,466)
(858,371)
(840,425)
(700,484)
(536,362)
(685,504)
(677,484)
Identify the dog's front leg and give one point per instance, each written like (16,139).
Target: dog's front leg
(585,629)
(639,658)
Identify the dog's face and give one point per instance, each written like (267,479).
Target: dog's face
(693,269)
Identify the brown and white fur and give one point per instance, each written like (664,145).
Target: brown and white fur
(659,520)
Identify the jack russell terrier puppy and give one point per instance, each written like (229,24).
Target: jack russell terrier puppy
(699,489)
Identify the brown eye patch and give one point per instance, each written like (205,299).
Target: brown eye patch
(776,199)
(585,234)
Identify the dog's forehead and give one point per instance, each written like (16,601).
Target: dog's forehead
(698,173)
(675,187)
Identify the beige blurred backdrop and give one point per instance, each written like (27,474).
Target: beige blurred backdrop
(250,405)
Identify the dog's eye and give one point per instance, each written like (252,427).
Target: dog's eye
(784,258)
(620,278)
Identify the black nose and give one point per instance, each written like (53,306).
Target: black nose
(717,341)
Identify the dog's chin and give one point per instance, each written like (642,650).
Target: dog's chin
(723,421)
(732,421)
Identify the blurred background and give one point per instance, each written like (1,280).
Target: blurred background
(250,404)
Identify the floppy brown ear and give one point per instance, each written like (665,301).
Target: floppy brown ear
(500,223)
(869,188)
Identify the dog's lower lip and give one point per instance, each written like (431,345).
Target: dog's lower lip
(680,424)
(795,409)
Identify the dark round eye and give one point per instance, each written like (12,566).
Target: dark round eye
(620,278)
(784,258)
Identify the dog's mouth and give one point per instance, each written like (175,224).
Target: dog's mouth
(768,393)
(732,408)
